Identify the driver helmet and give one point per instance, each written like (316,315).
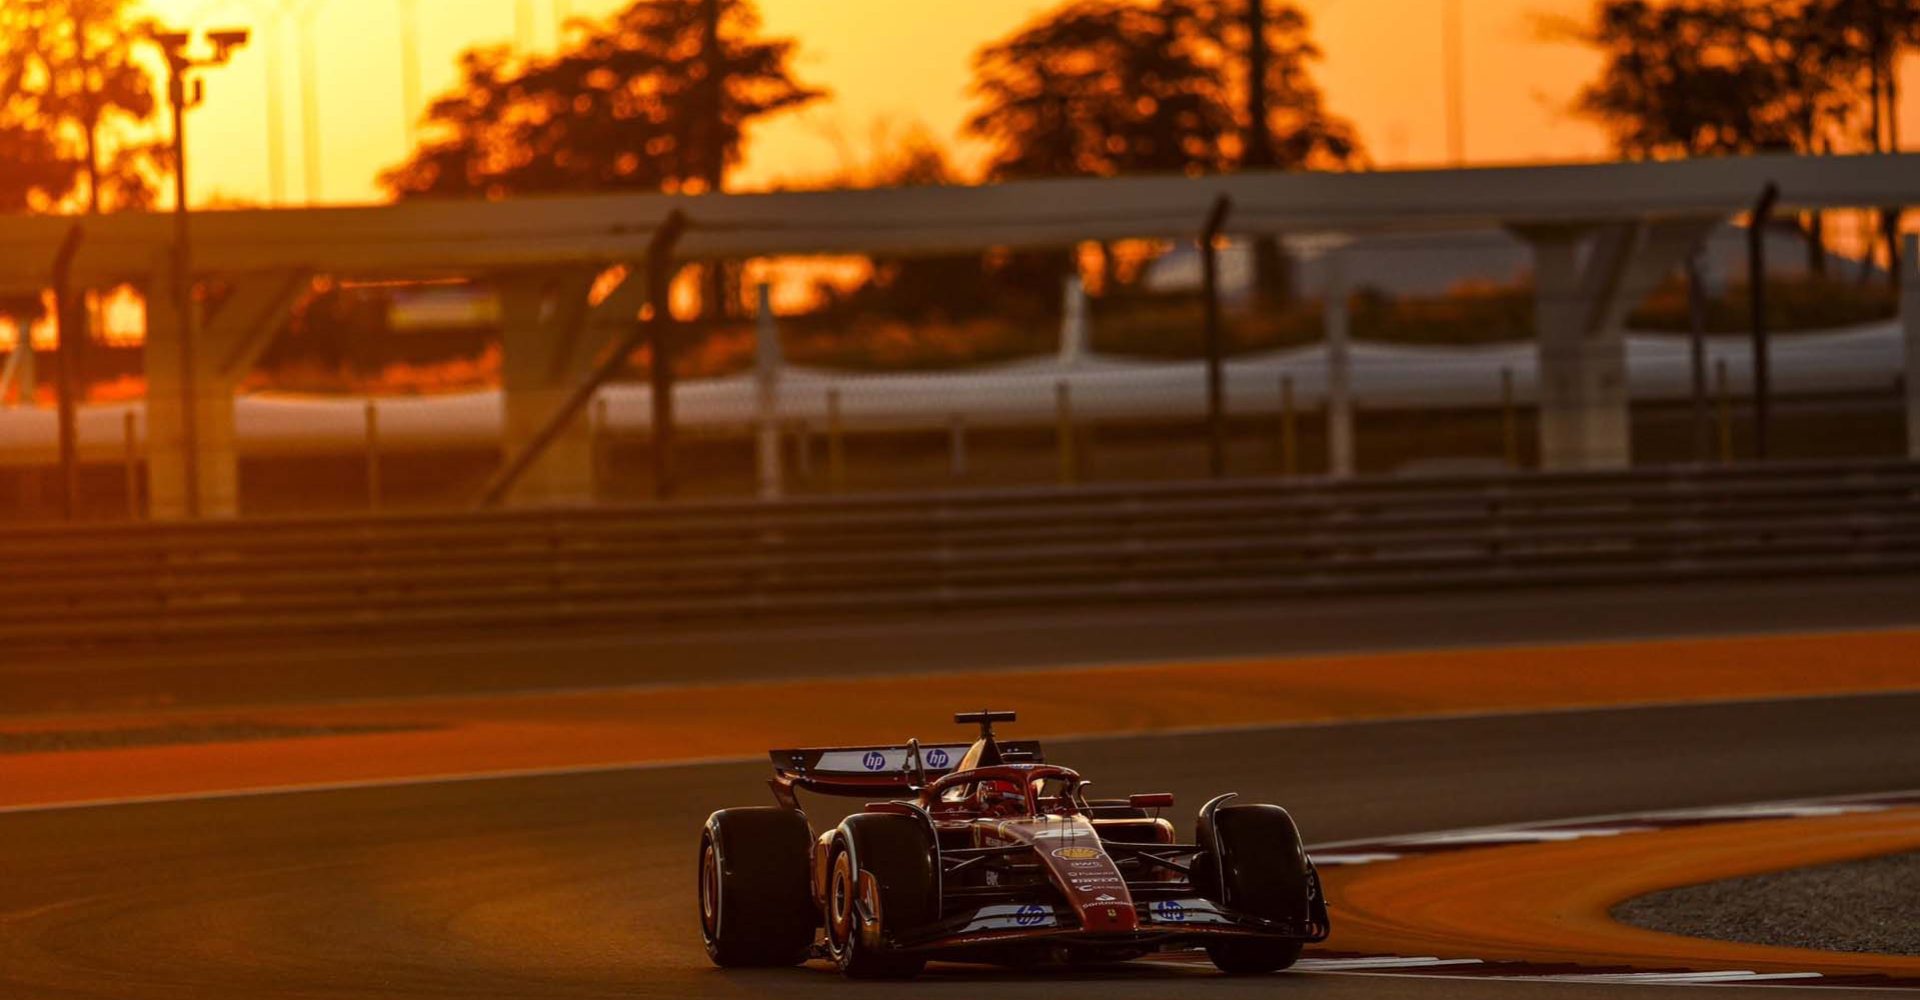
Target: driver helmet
(1002,798)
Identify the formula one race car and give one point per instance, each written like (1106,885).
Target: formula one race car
(990,854)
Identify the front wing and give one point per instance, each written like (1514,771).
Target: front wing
(1167,922)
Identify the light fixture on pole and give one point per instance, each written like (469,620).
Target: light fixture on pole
(186,90)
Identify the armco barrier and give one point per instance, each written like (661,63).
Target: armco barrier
(865,556)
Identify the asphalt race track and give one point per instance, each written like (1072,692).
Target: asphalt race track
(581,886)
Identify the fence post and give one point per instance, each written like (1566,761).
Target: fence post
(1339,389)
(803,450)
(1726,410)
(1910,319)
(836,444)
(1075,330)
(957,446)
(1216,350)
(1757,305)
(767,361)
(373,455)
(1697,353)
(70,319)
(1509,421)
(1289,430)
(1063,432)
(597,446)
(129,429)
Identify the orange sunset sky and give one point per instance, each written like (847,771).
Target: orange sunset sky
(888,62)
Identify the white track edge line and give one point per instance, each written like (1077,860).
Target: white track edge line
(369,783)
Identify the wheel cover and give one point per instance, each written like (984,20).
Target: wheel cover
(840,903)
(709,891)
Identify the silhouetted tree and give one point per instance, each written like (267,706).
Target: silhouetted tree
(642,101)
(1296,129)
(1720,77)
(1286,123)
(1873,33)
(1870,35)
(72,97)
(1103,87)
(1717,77)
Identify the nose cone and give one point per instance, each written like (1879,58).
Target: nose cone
(1085,875)
(1117,917)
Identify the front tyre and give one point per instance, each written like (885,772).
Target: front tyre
(756,907)
(881,881)
(1253,956)
(1262,866)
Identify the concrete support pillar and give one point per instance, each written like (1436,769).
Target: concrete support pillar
(1584,415)
(1586,280)
(230,340)
(552,334)
(1910,319)
(1337,318)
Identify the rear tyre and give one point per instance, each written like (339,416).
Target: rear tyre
(756,907)
(1263,867)
(881,881)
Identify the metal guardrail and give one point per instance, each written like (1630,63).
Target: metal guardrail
(725,563)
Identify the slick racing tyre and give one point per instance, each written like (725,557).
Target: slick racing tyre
(1264,869)
(756,906)
(881,881)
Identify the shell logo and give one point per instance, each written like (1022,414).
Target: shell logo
(1076,853)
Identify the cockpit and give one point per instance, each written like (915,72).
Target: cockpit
(1009,791)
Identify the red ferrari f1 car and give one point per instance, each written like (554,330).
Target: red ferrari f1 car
(988,853)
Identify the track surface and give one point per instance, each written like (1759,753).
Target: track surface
(581,886)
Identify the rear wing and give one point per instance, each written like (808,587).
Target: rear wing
(876,771)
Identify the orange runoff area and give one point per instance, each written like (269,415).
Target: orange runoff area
(468,735)
(1549,902)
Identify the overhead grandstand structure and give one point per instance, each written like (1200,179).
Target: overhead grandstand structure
(1601,236)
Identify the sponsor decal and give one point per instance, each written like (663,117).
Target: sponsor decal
(937,757)
(874,760)
(1104,898)
(1087,864)
(1076,853)
(1170,911)
(1030,914)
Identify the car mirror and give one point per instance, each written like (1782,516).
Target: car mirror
(1151,800)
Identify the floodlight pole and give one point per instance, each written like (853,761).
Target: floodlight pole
(177,66)
(174,46)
